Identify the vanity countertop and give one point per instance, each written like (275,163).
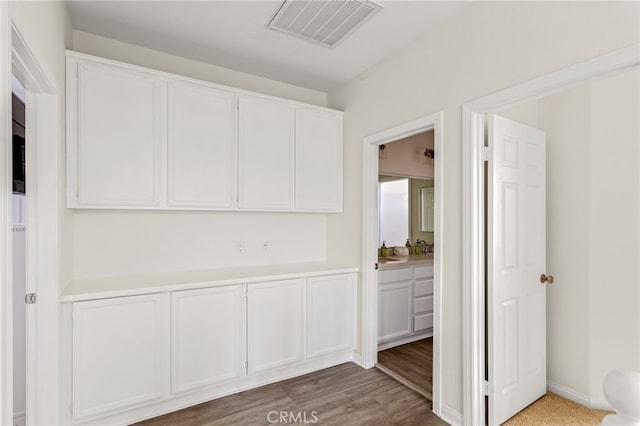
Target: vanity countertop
(390,262)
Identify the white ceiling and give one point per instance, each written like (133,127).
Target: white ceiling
(233,34)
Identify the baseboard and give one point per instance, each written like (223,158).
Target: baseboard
(404,340)
(580,398)
(600,404)
(450,415)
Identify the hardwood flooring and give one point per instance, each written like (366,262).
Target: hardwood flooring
(413,363)
(345,395)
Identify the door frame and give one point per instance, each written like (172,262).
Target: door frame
(43,153)
(473,216)
(369,280)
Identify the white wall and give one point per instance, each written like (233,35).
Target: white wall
(119,51)
(112,243)
(614,226)
(486,47)
(565,119)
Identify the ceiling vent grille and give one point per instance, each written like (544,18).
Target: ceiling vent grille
(326,22)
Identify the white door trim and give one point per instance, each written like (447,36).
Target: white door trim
(473,203)
(369,340)
(43,232)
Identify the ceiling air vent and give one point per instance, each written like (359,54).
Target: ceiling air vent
(326,22)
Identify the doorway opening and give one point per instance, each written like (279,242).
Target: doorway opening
(512,102)
(405,262)
(19,228)
(426,274)
(41,241)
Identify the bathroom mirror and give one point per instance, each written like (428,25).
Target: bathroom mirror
(426,209)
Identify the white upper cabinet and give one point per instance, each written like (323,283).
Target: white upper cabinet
(202,141)
(318,160)
(266,151)
(117,136)
(143,139)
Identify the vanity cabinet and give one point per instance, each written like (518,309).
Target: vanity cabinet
(266,132)
(405,305)
(276,317)
(143,139)
(208,336)
(120,353)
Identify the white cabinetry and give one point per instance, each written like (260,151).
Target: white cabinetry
(331,314)
(143,139)
(276,318)
(116,121)
(202,141)
(318,163)
(135,357)
(394,310)
(405,305)
(120,353)
(266,149)
(208,338)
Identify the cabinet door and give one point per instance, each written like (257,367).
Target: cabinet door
(276,317)
(120,353)
(318,160)
(331,316)
(207,336)
(202,141)
(394,310)
(265,138)
(119,136)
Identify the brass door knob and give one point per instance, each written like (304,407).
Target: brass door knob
(546,279)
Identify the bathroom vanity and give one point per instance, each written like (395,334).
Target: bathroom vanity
(405,299)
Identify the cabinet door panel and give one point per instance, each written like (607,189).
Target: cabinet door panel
(119,136)
(276,317)
(331,316)
(208,336)
(318,160)
(120,353)
(394,311)
(201,138)
(266,134)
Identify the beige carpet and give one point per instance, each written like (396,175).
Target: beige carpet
(553,410)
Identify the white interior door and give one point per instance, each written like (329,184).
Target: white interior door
(516,260)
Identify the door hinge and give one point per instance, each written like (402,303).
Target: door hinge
(30,298)
(376,266)
(485,388)
(485,153)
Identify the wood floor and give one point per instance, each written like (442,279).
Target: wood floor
(343,395)
(413,362)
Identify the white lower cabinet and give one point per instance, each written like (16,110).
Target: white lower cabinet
(275,324)
(120,353)
(208,336)
(331,314)
(136,357)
